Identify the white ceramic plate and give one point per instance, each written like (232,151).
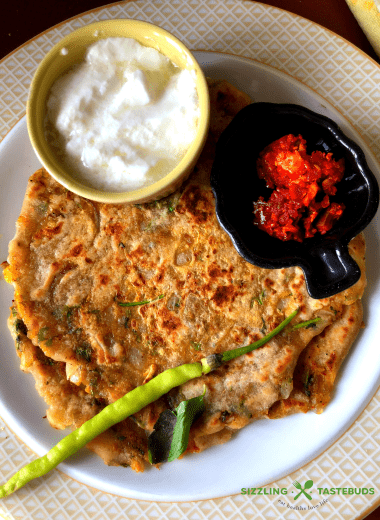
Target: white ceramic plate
(261,453)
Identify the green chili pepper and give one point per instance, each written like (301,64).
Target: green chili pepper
(127,405)
(110,415)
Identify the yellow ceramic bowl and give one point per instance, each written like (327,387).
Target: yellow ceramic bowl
(71,50)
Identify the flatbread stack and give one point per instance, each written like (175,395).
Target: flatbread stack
(75,264)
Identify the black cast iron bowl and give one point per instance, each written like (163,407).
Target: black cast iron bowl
(324,259)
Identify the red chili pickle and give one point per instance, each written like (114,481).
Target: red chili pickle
(299,205)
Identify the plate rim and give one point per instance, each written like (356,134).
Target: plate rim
(264,6)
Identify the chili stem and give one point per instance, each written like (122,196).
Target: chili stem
(306,324)
(215,360)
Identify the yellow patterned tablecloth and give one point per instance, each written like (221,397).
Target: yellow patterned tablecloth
(345,77)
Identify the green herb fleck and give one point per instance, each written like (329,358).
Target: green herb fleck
(42,334)
(65,312)
(43,207)
(49,361)
(93,384)
(144,302)
(97,313)
(153,346)
(196,346)
(20,327)
(69,315)
(258,299)
(84,351)
(149,226)
(137,336)
(128,314)
(309,379)
(264,327)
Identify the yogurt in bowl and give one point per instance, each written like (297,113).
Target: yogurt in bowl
(118,111)
(124,117)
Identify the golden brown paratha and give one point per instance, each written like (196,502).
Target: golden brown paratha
(73,261)
(69,405)
(319,363)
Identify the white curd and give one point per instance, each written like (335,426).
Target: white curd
(124,117)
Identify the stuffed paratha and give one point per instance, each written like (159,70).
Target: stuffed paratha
(77,266)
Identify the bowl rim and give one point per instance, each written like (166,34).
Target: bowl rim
(35,119)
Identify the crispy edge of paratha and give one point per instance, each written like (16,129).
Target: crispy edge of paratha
(124,444)
(318,365)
